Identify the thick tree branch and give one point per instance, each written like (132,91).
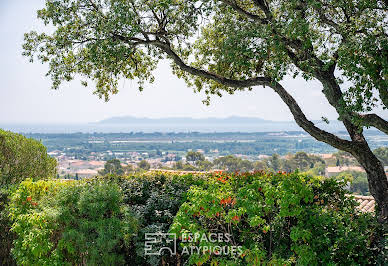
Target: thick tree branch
(263,5)
(332,90)
(307,125)
(375,121)
(264,81)
(243,12)
(296,111)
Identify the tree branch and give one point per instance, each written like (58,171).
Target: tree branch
(263,81)
(263,5)
(375,121)
(243,12)
(332,91)
(309,126)
(296,111)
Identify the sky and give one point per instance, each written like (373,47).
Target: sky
(26,95)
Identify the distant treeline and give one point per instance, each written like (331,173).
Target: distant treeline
(82,144)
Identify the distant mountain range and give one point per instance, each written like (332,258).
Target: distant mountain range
(172,124)
(186,120)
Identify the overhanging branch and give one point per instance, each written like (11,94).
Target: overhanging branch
(165,47)
(296,111)
(375,121)
(309,126)
(243,12)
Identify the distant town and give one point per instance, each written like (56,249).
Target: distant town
(82,155)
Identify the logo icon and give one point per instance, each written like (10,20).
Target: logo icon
(155,243)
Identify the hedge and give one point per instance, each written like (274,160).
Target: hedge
(274,219)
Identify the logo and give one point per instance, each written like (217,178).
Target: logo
(217,244)
(155,243)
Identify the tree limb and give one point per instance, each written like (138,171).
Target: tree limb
(333,92)
(243,12)
(309,126)
(263,81)
(296,111)
(375,121)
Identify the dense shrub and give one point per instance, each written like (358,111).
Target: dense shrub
(69,223)
(276,219)
(22,158)
(155,199)
(6,236)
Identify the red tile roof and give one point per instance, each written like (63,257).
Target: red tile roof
(367,203)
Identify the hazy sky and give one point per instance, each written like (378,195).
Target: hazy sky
(25,94)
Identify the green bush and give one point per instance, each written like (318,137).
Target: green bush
(22,158)
(6,236)
(69,223)
(276,219)
(154,199)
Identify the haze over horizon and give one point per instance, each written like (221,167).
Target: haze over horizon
(125,117)
(126,124)
(185,119)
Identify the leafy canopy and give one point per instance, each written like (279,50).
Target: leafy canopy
(217,44)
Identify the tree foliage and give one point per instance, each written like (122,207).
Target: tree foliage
(382,154)
(232,164)
(194,156)
(106,40)
(22,158)
(112,167)
(143,164)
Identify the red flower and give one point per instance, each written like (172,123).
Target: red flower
(29,198)
(229,200)
(233,201)
(221,179)
(236,218)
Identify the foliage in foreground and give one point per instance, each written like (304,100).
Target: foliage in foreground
(22,158)
(279,219)
(69,223)
(6,236)
(276,218)
(154,199)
